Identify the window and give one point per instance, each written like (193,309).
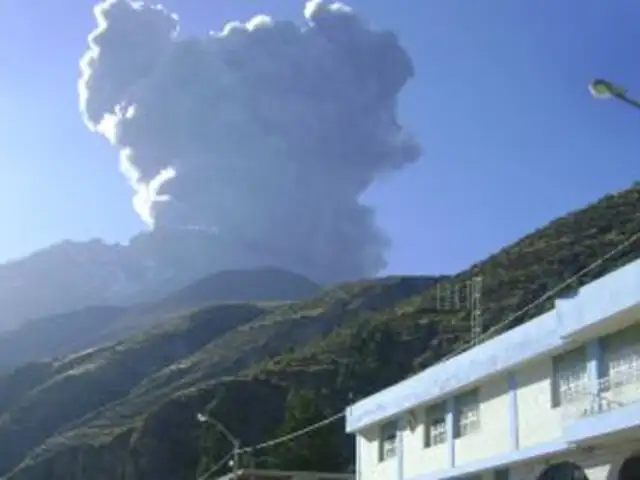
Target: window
(501,474)
(621,354)
(467,414)
(623,366)
(436,425)
(388,438)
(570,377)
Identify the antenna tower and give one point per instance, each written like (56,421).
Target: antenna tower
(475,309)
(463,296)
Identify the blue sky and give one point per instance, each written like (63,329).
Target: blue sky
(511,136)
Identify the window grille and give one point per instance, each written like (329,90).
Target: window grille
(436,425)
(467,414)
(388,440)
(570,376)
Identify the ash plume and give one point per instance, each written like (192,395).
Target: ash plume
(266,132)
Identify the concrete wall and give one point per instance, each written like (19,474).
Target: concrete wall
(537,421)
(494,436)
(371,468)
(599,463)
(539,426)
(418,459)
(414,459)
(597,306)
(518,423)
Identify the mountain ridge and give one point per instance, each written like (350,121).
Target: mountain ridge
(71,275)
(344,344)
(63,334)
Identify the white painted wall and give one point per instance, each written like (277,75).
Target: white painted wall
(419,460)
(494,437)
(370,466)
(368,452)
(599,463)
(386,470)
(538,422)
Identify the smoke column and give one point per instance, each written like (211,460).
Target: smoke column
(266,132)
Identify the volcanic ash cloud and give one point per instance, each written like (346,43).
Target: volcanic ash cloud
(266,133)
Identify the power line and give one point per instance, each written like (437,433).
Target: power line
(548,294)
(290,436)
(216,467)
(483,336)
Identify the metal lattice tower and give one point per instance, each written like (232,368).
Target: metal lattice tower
(463,296)
(475,309)
(444,297)
(455,297)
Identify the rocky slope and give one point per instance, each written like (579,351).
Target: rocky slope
(128,411)
(128,380)
(70,276)
(63,334)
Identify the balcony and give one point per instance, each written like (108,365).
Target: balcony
(618,390)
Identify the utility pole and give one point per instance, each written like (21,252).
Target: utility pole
(234,441)
(236,460)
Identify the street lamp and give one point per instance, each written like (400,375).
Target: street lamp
(603,90)
(235,463)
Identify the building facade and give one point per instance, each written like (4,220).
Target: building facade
(555,398)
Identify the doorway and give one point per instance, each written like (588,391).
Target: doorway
(563,471)
(630,469)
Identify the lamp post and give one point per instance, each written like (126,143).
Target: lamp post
(235,463)
(603,90)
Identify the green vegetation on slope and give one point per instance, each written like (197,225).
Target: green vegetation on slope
(344,344)
(59,335)
(69,394)
(55,335)
(126,383)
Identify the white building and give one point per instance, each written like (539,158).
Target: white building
(555,398)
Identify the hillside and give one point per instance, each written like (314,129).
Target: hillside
(70,276)
(55,335)
(129,379)
(128,412)
(62,334)
(267,284)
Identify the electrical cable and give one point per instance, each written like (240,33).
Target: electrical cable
(216,467)
(547,295)
(295,434)
(462,349)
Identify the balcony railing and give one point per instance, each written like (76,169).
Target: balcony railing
(619,389)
